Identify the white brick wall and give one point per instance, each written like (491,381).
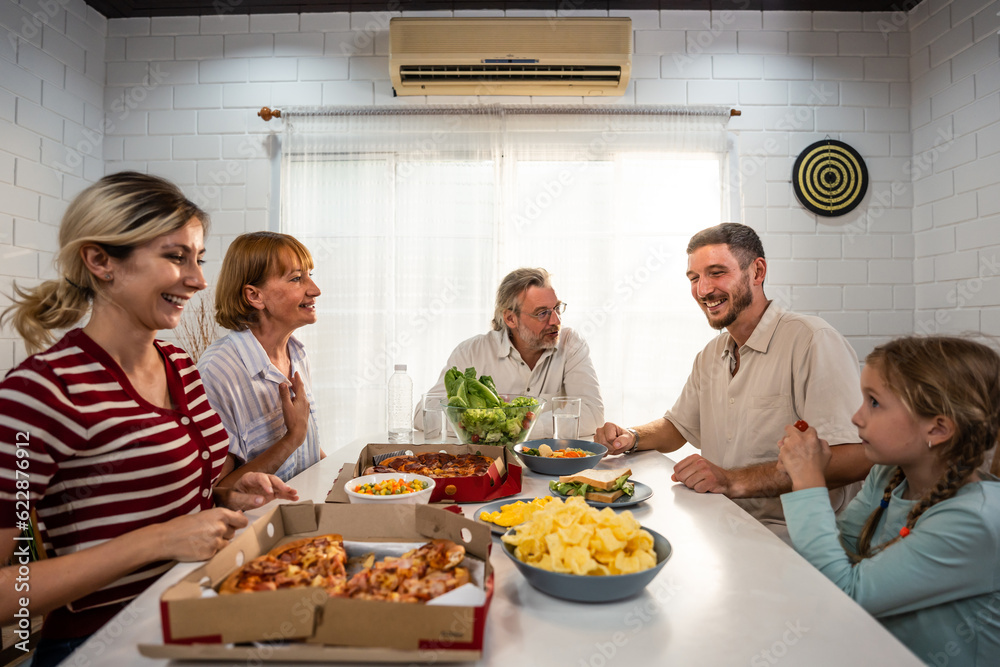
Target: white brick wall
(52,73)
(919,96)
(955,269)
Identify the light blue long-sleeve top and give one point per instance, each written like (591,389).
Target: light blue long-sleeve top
(938,589)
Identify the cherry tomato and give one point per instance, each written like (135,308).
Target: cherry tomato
(530,415)
(802,425)
(474,439)
(526,423)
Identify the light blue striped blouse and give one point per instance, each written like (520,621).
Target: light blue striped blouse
(242,386)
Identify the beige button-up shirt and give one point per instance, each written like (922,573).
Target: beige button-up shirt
(565,370)
(792,367)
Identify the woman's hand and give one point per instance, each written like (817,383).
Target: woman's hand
(196,536)
(295,409)
(804,457)
(254,489)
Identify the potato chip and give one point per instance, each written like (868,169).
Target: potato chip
(605,540)
(572,537)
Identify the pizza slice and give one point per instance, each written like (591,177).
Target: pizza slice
(309,562)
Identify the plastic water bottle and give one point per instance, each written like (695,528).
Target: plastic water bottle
(400,403)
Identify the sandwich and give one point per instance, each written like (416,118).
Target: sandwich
(602,486)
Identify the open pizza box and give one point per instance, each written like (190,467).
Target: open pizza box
(501,480)
(294,625)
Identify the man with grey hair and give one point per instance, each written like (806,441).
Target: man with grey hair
(530,353)
(769,369)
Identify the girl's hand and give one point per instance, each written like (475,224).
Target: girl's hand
(804,457)
(196,536)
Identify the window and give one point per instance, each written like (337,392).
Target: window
(413,221)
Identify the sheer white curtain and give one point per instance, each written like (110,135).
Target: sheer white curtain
(413,216)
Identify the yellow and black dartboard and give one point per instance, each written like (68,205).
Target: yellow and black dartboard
(830,178)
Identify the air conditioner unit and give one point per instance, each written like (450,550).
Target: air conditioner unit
(510,56)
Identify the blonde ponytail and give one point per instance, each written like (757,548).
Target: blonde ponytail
(55,304)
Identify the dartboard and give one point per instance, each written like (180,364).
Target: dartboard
(830,178)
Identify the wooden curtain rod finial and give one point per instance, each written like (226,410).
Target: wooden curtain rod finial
(268,113)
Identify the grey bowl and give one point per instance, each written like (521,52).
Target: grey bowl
(547,466)
(586,588)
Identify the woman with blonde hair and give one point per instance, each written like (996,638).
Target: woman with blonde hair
(257,377)
(107,433)
(919,547)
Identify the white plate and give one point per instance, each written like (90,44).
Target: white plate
(495,507)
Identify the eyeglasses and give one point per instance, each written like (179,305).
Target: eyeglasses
(544,315)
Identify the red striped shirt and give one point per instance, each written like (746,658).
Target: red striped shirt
(102,461)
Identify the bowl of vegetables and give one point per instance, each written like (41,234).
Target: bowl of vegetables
(391,488)
(506,424)
(480,415)
(559,457)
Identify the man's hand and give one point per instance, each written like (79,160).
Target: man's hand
(697,473)
(804,457)
(614,437)
(295,408)
(254,489)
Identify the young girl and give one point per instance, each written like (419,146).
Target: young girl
(108,434)
(919,547)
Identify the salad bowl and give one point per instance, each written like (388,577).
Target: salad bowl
(506,425)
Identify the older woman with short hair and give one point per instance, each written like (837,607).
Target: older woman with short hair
(257,377)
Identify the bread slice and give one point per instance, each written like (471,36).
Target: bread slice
(601,479)
(604,496)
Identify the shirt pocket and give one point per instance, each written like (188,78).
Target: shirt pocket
(766,420)
(261,433)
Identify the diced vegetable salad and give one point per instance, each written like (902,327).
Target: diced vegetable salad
(391,487)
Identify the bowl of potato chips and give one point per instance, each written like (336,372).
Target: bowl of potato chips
(573,551)
(550,456)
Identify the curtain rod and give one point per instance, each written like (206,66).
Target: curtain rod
(267,113)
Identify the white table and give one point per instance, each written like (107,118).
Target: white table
(731,594)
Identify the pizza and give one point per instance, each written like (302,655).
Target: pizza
(417,576)
(437,464)
(313,561)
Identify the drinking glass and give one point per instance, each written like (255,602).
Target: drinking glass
(435,421)
(566,417)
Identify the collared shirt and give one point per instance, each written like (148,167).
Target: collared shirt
(242,386)
(97,461)
(565,370)
(792,367)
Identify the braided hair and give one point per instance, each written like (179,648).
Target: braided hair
(939,375)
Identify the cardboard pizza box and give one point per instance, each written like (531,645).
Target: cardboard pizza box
(503,479)
(308,624)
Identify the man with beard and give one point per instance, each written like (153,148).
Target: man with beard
(768,369)
(528,353)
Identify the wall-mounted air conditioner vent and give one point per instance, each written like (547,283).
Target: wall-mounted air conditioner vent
(510,56)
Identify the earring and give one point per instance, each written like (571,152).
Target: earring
(107,276)
(929,445)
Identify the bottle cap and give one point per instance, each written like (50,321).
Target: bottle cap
(400,367)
